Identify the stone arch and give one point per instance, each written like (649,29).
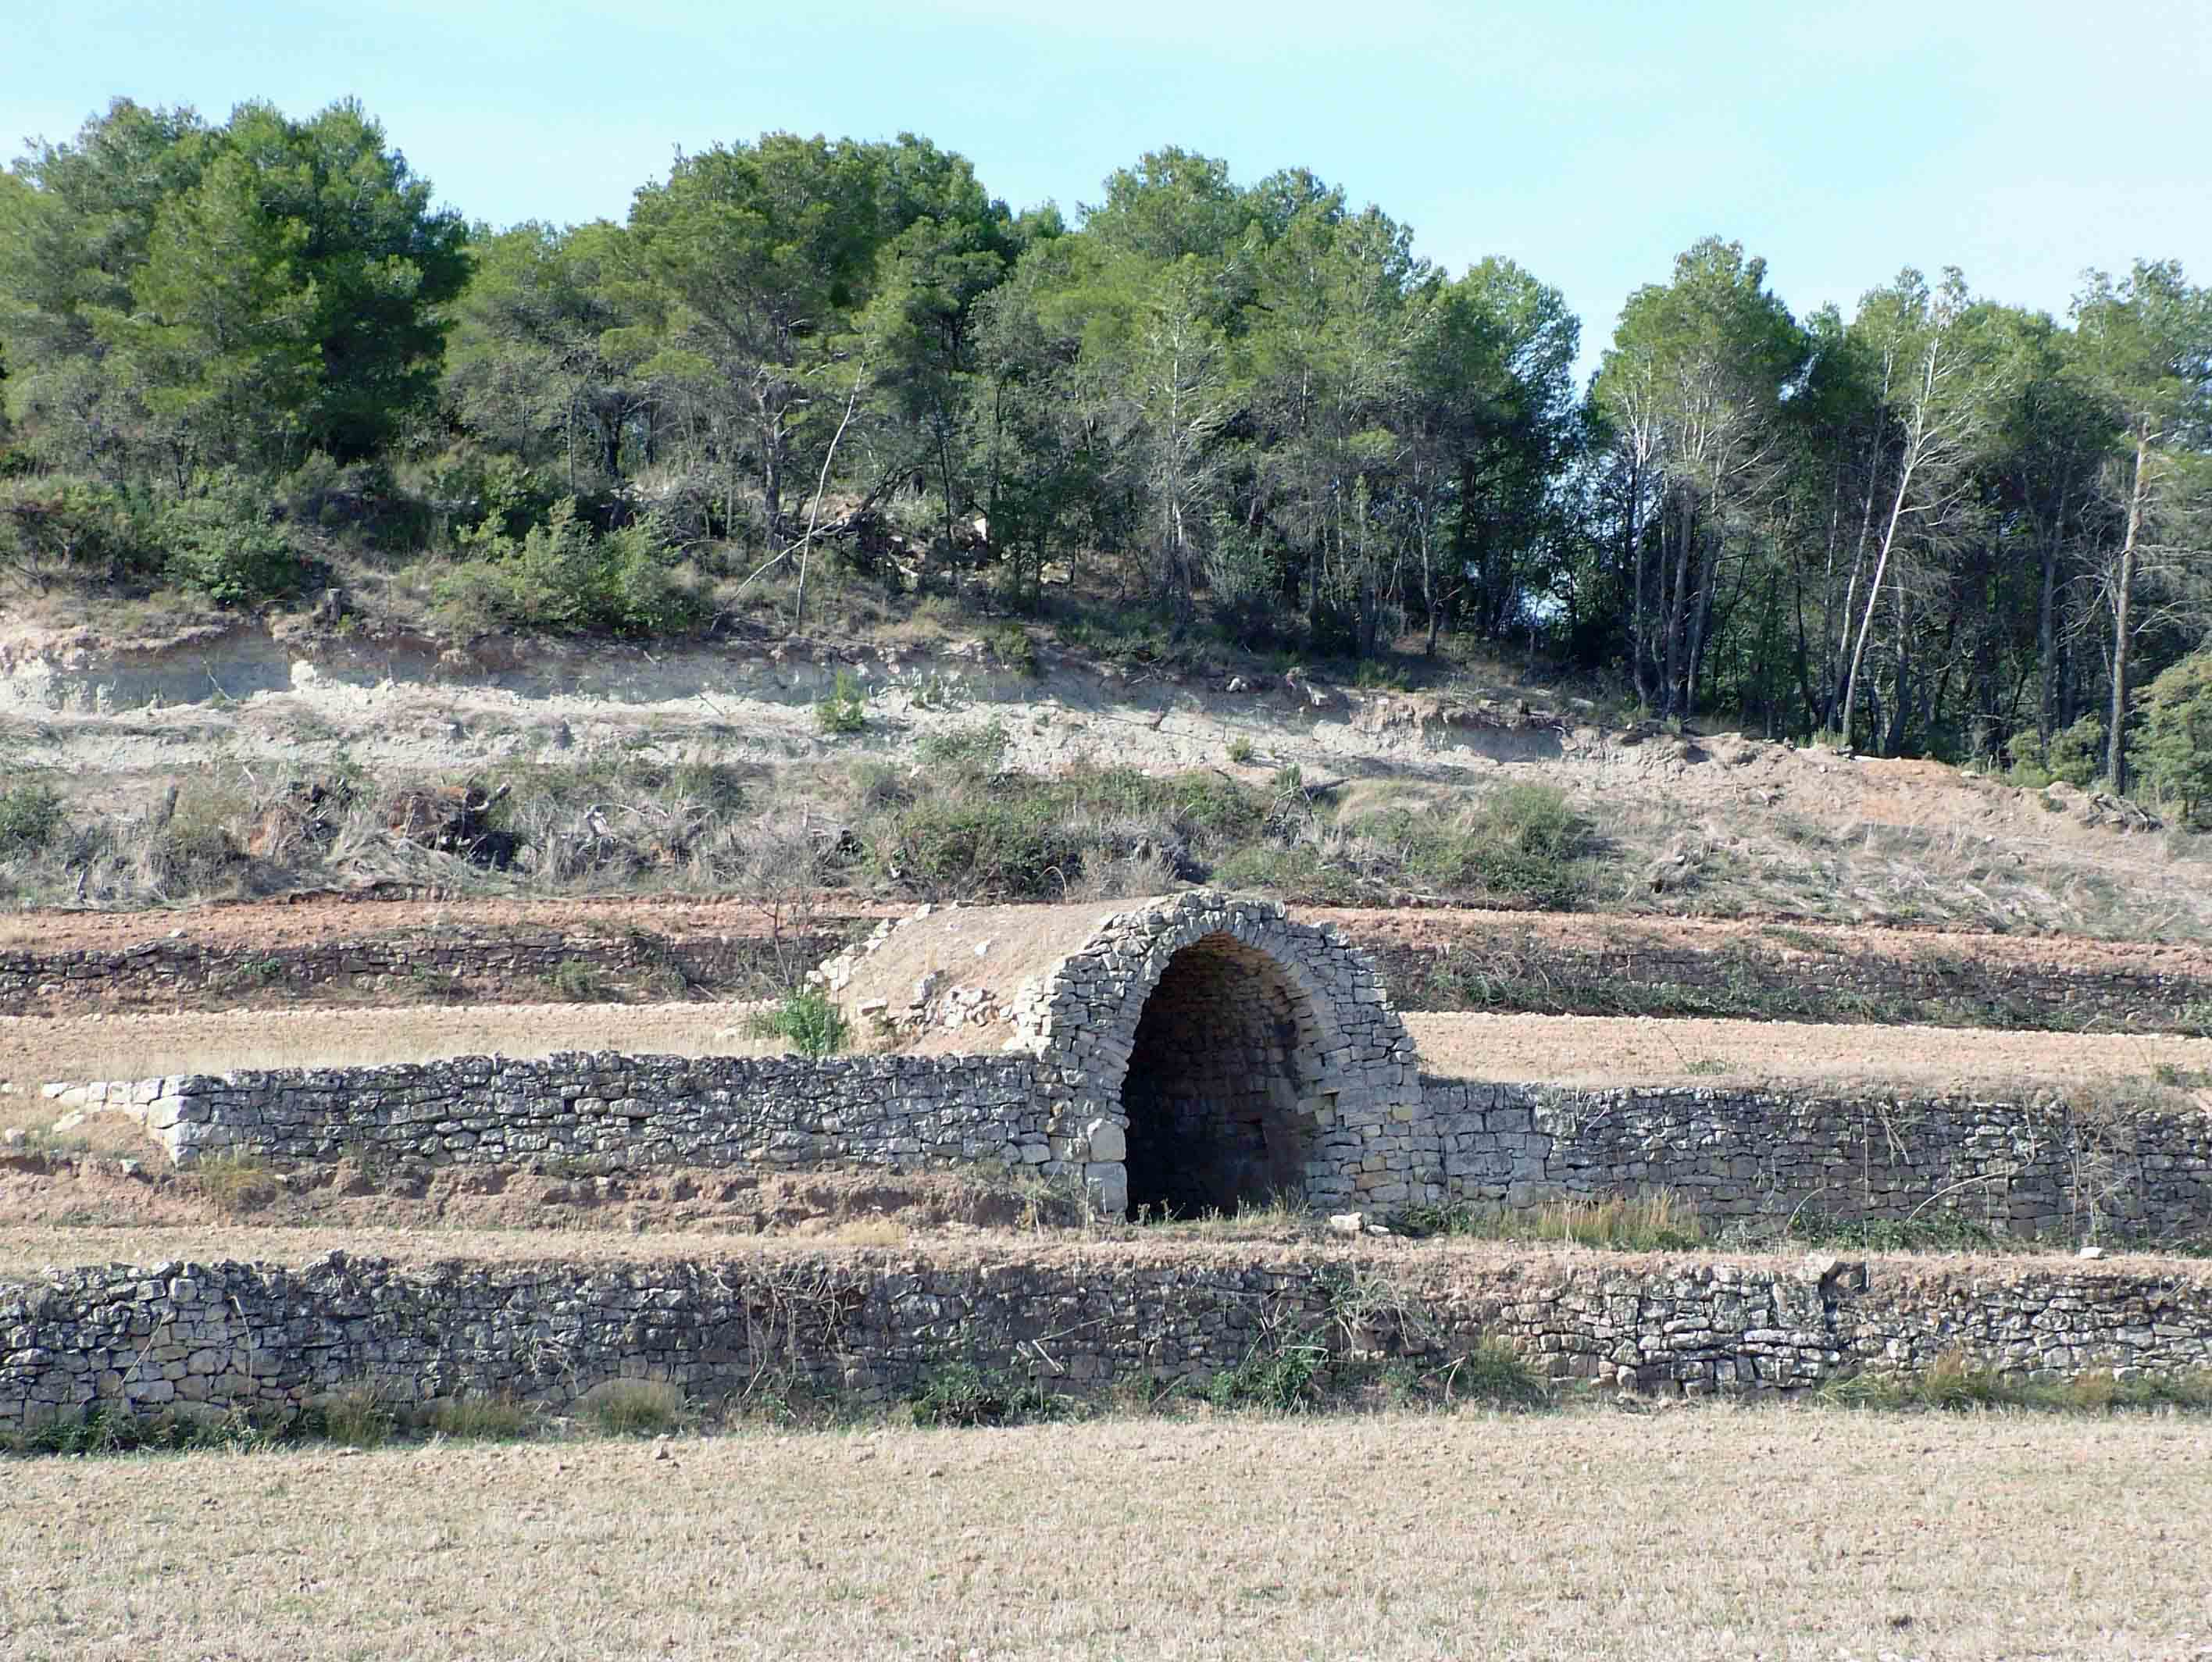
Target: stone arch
(1220,1093)
(1204,1050)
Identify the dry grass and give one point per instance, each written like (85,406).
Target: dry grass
(1772,1532)
(1602,1050)
(35,1049)
(28,1252)
(1576,1050)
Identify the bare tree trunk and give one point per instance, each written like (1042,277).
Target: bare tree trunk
(1874,588)
(2046,626)
(1634,560)
(1676,603)
(2116,753)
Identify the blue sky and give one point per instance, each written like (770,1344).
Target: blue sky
(1591,140)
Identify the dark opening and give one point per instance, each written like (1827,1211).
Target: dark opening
(1218,1088)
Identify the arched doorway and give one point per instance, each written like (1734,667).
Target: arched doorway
(1220,1088)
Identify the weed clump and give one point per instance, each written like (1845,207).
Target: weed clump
(960,1393)
(634,1408)
(1659,1221)
(808,1022)
(235,1184)
(1955,1383)
(482,1419)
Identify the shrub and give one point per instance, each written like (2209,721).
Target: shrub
(1523,843)
(29,815)
(1495,1373)
(2075,755)
(197,847)
(1012,648)
(844,707)
(2174,749)
(808,1022)
(482,1419)
(564,578)
(578,982)
(634,1408)
(1661,1221)
(235,1184)
(1282,1379)
(85,528)
(225,543)
(357,1417)
(962,1394)
(966,750)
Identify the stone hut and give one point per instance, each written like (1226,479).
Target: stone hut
(1196,1050)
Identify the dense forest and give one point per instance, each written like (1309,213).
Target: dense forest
(241,360)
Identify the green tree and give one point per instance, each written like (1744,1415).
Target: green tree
(525,370)
(178,294)
(1695,378)
(2146,349)
(2174,742)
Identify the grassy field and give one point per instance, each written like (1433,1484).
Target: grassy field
(1713,1530)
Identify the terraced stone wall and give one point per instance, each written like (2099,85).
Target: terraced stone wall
(2048,1170)
(414,966)
(221,1337)
(604,1112)
(1734,1156)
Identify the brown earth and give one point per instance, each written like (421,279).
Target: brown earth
(310,919)
(37,1049)
(1578,1050)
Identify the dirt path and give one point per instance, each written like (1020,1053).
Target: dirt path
(1550,1049)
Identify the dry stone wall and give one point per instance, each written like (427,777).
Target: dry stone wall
(403,967)
(2033,1170)
(604,1112)
(1732,1155)
(225,1337)
(1569,966)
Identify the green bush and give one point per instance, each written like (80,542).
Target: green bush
(2075,755)
(1495,1373)
(358,1417)
(83,527)
(1522,843)
(966,750)
(1282,1379)
(225,544)
(2174,747)
(844,707)
(482,1419)
(30,814)
(962,1394)
(1012,648)
(808,1022)
(564,578)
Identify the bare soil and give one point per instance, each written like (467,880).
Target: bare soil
(133,1044)
(1704,1531)
(1562,1050)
